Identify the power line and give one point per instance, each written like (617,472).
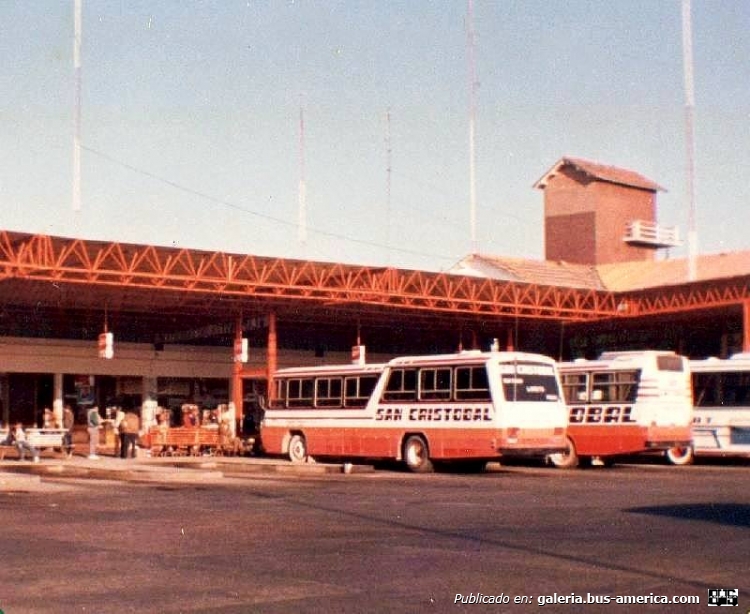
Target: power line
(265,216)
(426,185)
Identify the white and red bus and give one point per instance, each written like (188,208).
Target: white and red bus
(471,407)
(721,409)
(625,403)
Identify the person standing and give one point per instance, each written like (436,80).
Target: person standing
(94,421)
(129,427)
(68,420)
(119,431)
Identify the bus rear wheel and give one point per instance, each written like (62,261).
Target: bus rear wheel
(680,456)
(297,449)
(417,455)
(567,459)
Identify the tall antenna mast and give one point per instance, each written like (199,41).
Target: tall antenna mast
(388,171)
(77,109)
(472,127)
(687,55)
(302,220)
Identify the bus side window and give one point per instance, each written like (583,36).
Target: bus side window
(357,390)
(300,392)
(280,400)
(575,387)
(435,384)
(328,392)
(615,386)
(472,384)
(707,389)
(401,385)
(627,388)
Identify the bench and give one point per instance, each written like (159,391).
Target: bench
(41,439)
(208,439)
(182,440)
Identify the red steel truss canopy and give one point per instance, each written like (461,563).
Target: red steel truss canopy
(199,278)
(40,272)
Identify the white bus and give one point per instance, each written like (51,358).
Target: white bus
(721,409)
(471,407)
(625,403)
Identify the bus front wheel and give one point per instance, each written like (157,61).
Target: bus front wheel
(298,449)
(567,459)
(680,456)
(417,455)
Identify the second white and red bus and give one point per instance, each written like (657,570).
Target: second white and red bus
(625,403)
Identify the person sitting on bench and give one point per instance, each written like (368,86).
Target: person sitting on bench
(22,444)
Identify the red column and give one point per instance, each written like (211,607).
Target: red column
(509,342)
(746,326)
(272,354)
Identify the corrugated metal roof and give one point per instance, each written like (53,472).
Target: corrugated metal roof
(602,172)
(616,277)
(543,272)
(627,276)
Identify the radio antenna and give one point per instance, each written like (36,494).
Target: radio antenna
(388,171)
(471,43)
(302,219)
(77,106)
(687,55)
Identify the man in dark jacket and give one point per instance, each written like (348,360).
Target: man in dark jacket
(68,422)
(129,428)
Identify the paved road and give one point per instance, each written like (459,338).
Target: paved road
(381,541)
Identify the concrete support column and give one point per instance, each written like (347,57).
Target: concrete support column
(236,391)
(57,398)
(149,405)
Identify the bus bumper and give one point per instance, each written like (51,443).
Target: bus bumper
(531,452)
(666,437)
(531,443)
(666,445)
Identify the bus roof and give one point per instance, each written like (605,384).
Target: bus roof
(468,356)
(609,360)
(634,354)
(345,369)
(737,362)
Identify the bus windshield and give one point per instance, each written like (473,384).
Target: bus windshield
(529,381)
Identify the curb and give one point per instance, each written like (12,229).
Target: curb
(168,470)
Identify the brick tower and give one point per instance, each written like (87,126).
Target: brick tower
(597,214)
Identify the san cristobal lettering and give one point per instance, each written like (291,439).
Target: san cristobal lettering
(435,414)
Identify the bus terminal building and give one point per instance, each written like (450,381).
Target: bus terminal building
(105,323)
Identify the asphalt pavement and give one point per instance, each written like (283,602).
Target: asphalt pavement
(236,535)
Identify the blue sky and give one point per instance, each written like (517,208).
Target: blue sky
(190,120)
